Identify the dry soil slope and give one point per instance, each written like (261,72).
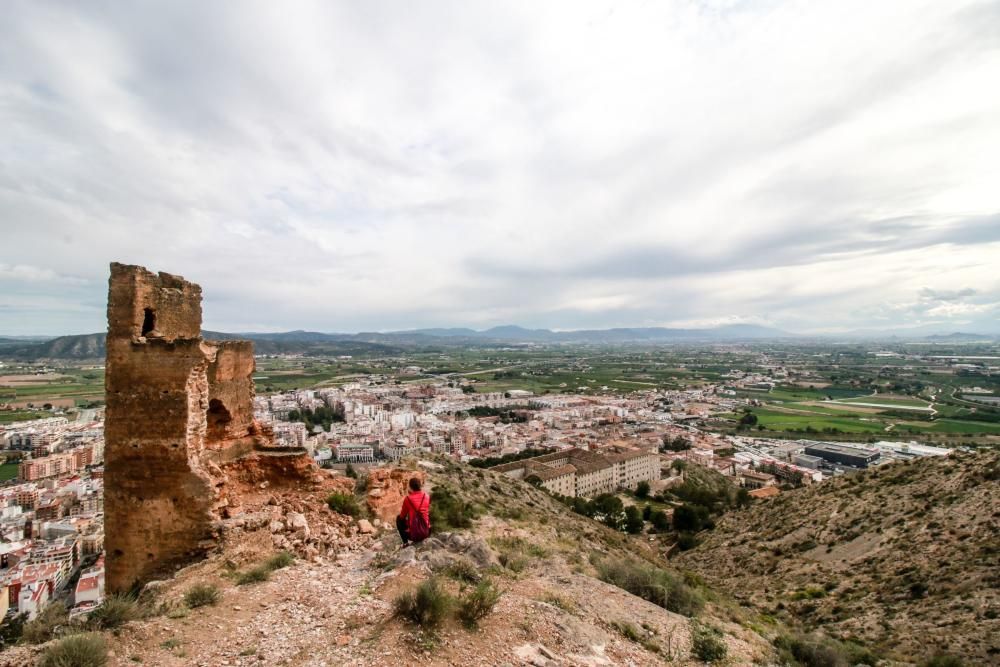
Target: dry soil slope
(338,609)
(903,558)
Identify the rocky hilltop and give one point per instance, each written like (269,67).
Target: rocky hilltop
(904,558)
(559,578)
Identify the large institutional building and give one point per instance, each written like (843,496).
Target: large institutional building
(578,472)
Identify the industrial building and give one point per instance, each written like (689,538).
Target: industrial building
(842,454)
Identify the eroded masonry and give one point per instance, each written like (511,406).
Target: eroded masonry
(179,427)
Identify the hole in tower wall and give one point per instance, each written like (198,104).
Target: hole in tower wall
(148,320)
(217,417)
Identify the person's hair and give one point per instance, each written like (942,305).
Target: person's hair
(415,484)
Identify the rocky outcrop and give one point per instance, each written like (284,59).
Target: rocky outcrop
(386,489)
(179,409)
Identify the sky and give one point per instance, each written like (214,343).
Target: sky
(359,166)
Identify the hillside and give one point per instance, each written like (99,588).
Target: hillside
(335,604)
(92,346)
(85,346)
(904,558)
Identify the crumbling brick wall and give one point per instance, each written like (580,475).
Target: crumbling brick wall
(177,407)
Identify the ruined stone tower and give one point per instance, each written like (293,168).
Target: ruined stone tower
(179,409)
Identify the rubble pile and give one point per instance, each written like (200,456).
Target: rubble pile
(299,521)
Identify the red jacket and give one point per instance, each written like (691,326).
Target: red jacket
(417,501)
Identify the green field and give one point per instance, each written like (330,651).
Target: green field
(8,471)
(956,426)
(20,415)
(890,401)
(81,385)
(774,420)
(786,393)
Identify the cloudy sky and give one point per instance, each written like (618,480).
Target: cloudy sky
(816,166)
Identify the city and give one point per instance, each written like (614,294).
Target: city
(573,443)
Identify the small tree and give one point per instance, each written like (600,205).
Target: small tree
(690,518)
(678,444)
(660,521)
(642,490)
(633,520)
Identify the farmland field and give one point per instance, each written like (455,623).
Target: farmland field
(890,401)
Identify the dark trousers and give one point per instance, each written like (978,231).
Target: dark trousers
(403,526)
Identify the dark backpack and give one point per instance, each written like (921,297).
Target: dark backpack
(419,528)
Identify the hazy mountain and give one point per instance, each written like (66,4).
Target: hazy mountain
(959,336)
(443,333)
(387,342)
(92,346)
(85,346)
(924,331)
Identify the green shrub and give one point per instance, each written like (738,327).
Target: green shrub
(628,631)
(11,630)
(559,601)
(942,660)
(343,503)
(707,644)
(84,650)
(519,545)
(819,651)
(809,593)
(687,541)
(116,610)
(361,484)
(263,571)
(427,606)
(478,602)
(280,560)
(49,622)
(462,569)
(254,575)
(449,512)
(653,584)
(200,595)
(512,561)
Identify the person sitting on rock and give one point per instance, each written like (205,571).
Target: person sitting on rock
(414,520)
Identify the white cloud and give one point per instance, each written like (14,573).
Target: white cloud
(344,166)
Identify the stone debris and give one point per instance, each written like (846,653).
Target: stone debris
(537,655)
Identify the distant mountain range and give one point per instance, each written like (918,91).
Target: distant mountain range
(91,346)
(516,334)
(618,335)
